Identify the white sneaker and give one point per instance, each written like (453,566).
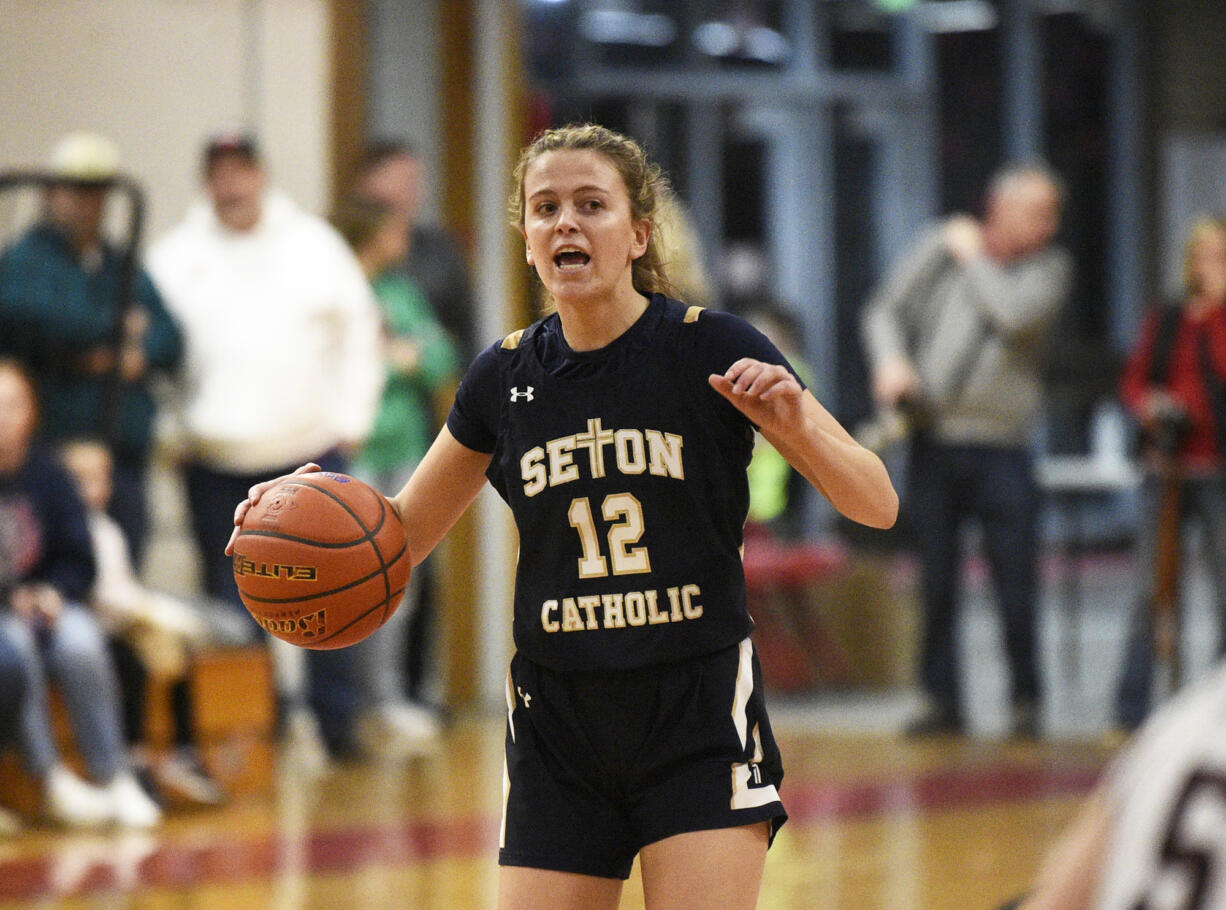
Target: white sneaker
(131,805)
(73,802)
(398,731)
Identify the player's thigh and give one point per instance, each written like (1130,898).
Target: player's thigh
(524,888)
(701,869)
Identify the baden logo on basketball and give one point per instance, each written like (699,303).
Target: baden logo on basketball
(313,625)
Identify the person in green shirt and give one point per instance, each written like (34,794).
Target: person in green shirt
(422,361)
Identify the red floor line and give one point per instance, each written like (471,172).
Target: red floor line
(809,800)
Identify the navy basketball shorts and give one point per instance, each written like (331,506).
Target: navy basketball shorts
(600,764)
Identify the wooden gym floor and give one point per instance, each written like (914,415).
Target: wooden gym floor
(876,821)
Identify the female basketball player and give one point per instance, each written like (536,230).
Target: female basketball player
(618,430)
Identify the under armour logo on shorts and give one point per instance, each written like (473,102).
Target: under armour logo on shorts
(516,394)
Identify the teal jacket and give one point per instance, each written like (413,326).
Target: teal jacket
(404,427)
(53,310)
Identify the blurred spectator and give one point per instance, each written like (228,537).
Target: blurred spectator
(390,172)
(744,274)
(1151,834)
(955,336)
(46,569)
(283,366)
(12,696)
(61,313)
(153,635)
(420,361)
(1175,385)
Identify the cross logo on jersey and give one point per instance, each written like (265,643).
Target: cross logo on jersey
(516,394)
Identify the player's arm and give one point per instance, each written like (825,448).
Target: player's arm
(444,485)
(1068,879)
(814,443)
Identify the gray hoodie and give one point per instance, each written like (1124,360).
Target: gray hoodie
(976,335)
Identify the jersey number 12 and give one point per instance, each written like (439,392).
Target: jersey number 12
(626,514)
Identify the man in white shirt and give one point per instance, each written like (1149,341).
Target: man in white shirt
(283,362)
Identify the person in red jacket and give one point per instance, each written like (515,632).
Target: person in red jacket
(1175,385)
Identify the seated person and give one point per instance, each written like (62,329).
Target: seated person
(153,635)
(46,570)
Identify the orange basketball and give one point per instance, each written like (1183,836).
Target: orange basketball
(321,560)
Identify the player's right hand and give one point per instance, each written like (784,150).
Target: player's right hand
(253,496)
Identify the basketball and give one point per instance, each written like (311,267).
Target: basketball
(321,561)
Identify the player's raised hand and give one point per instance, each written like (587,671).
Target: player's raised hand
(766,393)
(253,496)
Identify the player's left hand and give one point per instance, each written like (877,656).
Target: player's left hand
(766,393)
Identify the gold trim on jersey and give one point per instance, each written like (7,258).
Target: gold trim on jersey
(511,342)
(692,314)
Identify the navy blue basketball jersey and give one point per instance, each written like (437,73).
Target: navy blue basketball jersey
(625,472)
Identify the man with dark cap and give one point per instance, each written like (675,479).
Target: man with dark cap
(90,342)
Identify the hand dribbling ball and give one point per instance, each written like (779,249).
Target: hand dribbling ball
(321,561)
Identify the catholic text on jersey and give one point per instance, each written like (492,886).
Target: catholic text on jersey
(621,610)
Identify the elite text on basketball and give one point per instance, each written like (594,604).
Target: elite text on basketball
(246,566)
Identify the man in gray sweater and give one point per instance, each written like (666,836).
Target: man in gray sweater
(955,337)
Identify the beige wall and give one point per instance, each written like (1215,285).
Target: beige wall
(160,75)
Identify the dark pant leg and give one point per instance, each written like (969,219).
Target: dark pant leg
(420,632)
(1136,680)
(1007,504)
(133,690)
(12,692)
(212,497)
(1208,501)
(934,514)
(129,505)
(183,713)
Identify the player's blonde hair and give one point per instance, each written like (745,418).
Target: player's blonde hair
(645,183)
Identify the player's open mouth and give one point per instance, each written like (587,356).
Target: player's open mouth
(571,259)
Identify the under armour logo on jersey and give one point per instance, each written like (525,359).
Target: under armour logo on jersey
(516,394)
(525,696)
